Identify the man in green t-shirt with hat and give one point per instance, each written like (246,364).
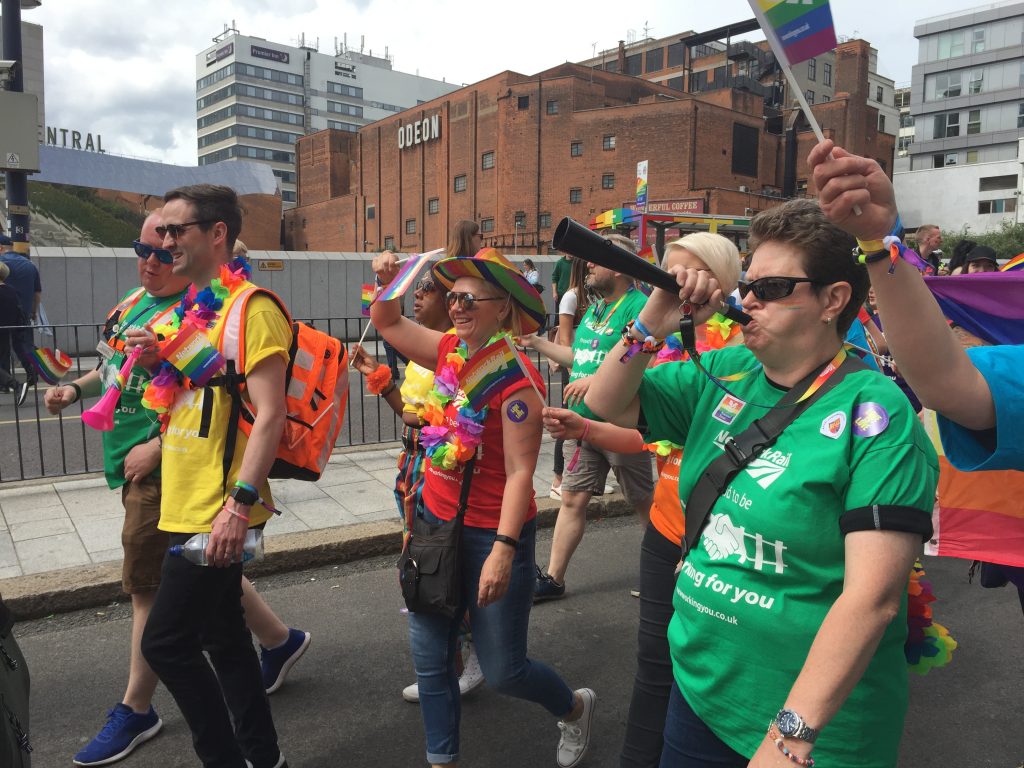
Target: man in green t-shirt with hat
(586,465)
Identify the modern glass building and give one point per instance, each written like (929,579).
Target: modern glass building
(255,98)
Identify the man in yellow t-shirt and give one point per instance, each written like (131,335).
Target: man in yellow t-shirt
(199,609)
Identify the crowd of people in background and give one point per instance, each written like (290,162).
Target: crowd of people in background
(785,486)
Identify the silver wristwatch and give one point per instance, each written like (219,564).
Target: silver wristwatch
(792,726)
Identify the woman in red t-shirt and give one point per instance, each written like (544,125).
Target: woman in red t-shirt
(487,299)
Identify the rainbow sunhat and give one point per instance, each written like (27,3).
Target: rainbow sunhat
(491,266)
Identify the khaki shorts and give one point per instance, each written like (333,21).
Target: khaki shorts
(144,544)
(634,472)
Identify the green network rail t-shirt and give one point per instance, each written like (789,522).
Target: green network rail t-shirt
(769,565)
(133,422)
(599,332)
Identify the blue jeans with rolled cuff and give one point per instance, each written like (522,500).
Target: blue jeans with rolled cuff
(499,633)
(689,743)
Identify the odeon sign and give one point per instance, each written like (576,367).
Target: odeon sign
(420,132)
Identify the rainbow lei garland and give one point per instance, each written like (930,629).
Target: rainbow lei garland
(928,645)
(199,309)
(718,331)
(446,448)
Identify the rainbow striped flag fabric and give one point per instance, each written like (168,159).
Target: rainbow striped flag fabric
(489,371)
(796,29)
(978,515)
(1014,265)
(406,275)
(366,298)
(989,305)
(51,364)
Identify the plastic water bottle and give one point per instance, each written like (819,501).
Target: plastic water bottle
(194,550)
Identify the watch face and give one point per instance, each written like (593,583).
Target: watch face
(787,722)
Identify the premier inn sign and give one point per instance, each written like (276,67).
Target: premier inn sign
(420,132)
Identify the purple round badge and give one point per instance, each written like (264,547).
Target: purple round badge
(869,419)
(517,411)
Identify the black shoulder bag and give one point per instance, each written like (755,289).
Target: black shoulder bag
(430,567)
(748,445)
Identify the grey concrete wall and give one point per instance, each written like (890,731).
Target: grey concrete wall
(81,285)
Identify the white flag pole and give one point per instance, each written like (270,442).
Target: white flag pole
(522,367)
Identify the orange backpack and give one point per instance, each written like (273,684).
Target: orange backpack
(316,392)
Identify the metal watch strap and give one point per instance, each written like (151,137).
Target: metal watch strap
(803,731)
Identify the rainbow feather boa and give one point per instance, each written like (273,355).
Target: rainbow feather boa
(198,308)
(928,644)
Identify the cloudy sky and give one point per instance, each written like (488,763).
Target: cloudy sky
(126,70)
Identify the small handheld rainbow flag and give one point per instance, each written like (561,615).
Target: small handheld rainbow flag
(1014,264)
(796,31)
(366,298)
(51,364)
(489,371)
(192,355)
(406,275)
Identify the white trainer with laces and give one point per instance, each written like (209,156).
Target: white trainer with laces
(572,747)
(472,677)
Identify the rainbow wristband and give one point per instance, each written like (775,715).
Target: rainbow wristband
(247,487)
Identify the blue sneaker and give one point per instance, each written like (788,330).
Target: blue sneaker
(276,662)
(546,588)
(124,731)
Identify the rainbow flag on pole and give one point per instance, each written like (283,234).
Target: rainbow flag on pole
(51,364)
(979,515)
(366,298)
(407,275)
(489,371)
(796,29)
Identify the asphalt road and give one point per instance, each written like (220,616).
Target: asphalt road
(342,706)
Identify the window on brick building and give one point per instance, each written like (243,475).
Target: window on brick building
(524,102)
(433,205)
(486,225)
(460,183)
(487,161)
(389,243)
(881,123)
(371,212)
(608,181)
(826,73)
(655,59)
(576,195)
(576,149)
(812,69)
(809,95)
(552,107)
(608,142)
(520,220)
(410,226)
(745,145)
(544,221)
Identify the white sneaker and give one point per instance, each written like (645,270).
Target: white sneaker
(555,493)
(572,747)
(472,677)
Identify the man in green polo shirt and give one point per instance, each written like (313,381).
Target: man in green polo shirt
(598,335)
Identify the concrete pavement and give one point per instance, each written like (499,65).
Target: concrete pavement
(60,542)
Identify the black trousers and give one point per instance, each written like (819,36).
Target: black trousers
(645,725)
(23,344)
(199,609)
(15,746)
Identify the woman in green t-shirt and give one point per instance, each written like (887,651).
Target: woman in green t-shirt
(790,608)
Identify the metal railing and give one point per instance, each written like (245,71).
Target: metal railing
(36,445)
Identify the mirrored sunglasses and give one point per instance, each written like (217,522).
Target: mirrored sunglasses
(467,300)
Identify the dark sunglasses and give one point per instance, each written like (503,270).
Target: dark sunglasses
(425,286)
(467,300)
(144,251)
(175,230)
(772,288)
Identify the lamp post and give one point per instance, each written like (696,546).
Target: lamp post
(515,238)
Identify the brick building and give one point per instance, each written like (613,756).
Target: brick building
(516,153)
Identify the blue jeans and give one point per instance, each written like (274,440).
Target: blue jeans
(689,743)
(499,632)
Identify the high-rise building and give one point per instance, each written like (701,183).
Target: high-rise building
(967,105)
(901,100)
(255,98)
